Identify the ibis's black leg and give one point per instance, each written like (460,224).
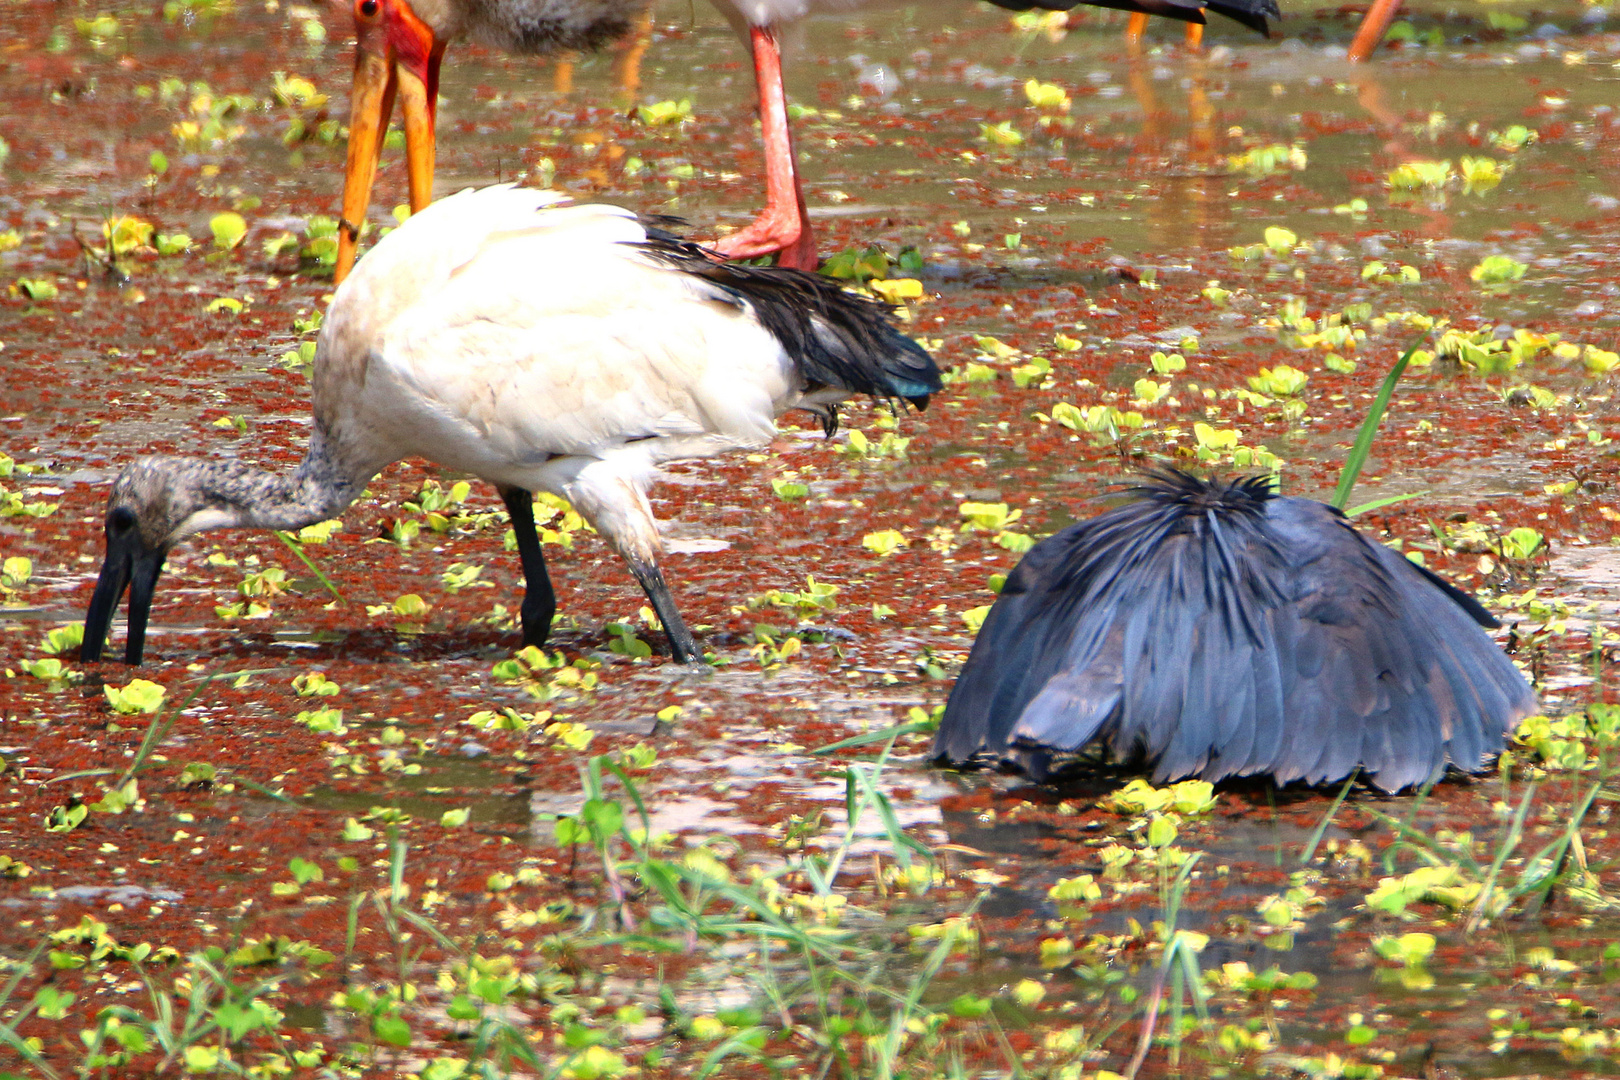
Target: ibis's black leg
(539,599)
(682,646)
(142,582)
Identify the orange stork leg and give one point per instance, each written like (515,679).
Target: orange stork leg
(784,225)
(1370,96)
(562,79)
(1373,28)
(1134,29)
(380,77)
(1138,24)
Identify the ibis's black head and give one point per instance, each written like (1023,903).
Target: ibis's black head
(130,564)
(154,503)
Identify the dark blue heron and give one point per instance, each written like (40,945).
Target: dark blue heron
(1215,629)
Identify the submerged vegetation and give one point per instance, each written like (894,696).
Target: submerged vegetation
(847,948)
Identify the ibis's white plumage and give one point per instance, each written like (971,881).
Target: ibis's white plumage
(541,347)
(537,347)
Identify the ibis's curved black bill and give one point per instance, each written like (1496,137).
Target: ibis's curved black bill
(1215,629)
(130,564)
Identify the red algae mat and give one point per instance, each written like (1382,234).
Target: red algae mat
(351,790)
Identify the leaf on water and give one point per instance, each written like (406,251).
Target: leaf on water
(884,542)
(1002,134)
(1046,95)
(411,606)
(661,113)
(897,290)
(137,696)
(35,288)
(126,234)
(1280,240)
(228,228)
(1497,270)
(1413,175)
(790,490)
(15,571)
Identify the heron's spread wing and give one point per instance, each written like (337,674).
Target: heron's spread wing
(1221,637)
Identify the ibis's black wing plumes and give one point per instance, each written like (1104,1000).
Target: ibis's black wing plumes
(838,338)
(130,564)
(1218,630)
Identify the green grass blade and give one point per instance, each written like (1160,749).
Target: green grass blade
(1553,853)
(910,727)
(1379,504)
(254,785)
(635,797)
(15,1017)
(1327,819)
(1369,426)
(1505,847)
(238,674)
(298,549)
(78,775)
(157,730)
(889,1050)
(740,1045)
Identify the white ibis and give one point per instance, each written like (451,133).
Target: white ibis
(1217,629)
(569,349)
(399,48)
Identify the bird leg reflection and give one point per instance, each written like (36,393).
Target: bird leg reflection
(627,68)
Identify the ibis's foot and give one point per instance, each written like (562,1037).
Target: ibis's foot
(682,646)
